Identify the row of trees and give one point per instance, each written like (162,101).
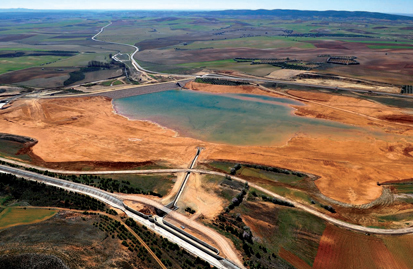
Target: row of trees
(40,194)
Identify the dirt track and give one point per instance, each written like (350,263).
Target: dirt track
(227,249)
(86,129)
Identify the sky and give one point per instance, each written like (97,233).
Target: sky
(385,6)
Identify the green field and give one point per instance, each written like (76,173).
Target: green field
(108,83)
(230,64)
(403,188)
(18,63)
(81,60)
(9,149)
(161,184)
(407,216)
(17,216)
(268,175)
(259,42)
(15,49)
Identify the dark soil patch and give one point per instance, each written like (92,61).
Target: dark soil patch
(166,19)
(408,151)
(179,57)
(330,45)
(31,260)
(33,73)
(15,37)
(380,27)
(359,31)
(92,166)
(406,28)
(398,118)
(73,239)
(71,36)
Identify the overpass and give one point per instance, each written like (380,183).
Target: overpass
(169,231)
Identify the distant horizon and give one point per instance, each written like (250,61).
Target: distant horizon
(203,10)
(381,6)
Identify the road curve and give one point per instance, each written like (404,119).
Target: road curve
(308,209)
(117,202)
(135,64)
(140,68)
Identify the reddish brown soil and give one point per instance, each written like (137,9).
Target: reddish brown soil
(293,259)
(375,65)
(330,45)
(184,56)
(398,181)
(340,248)
(401,247)
(98,166)
(399,118)
(86,129)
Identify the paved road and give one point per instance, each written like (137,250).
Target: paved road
(306,208)
(139,68)
(134,62)
(117,202)
(301,84)
(332,107)
(215,237)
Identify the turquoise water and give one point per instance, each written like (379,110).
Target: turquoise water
(240,119)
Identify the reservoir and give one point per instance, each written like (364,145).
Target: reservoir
(238,119)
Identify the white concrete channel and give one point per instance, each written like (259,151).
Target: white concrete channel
(172,205)
(187,243)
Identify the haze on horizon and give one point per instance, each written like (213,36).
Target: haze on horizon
(384,6)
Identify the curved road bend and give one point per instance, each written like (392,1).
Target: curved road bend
(139,68)
(134,62)
(308,209)
(116,202)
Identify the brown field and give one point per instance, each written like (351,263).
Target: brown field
(333,45)
(33,73)
(72,238)
(293,259)
(8,38)
(376,65)
(200,196)
(170,57)
(401,247)
(340,248)
(76,129)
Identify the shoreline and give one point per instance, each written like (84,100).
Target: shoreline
(88,129)
(115,112)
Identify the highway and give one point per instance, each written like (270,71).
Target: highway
(140,68)
(136,50)
(114,201)
(306,208)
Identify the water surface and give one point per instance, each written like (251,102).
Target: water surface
(240,119)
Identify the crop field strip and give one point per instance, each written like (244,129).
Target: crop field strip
(12,216)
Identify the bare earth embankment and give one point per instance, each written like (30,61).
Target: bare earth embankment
(86,129)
